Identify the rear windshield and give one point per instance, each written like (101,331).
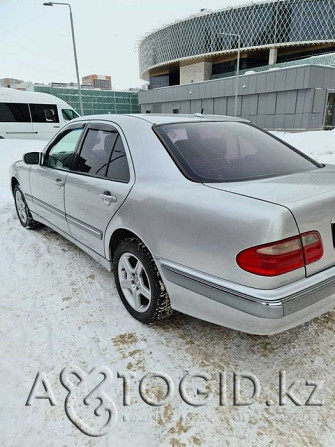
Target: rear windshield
(229,151)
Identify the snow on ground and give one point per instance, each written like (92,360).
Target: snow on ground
(60,308)
(320,145)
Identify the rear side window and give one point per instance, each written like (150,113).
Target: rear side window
(118,169)
(14,113)
(96,152)
(229,151)
(103,155)
(44,113)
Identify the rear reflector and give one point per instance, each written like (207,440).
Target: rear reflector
(283,256)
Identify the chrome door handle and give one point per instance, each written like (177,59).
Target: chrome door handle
(59,182)
(108,198)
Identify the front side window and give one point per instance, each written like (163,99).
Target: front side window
(96,152)
(229,151)
(69,114)
(62,152)
(44,113)
(14,113)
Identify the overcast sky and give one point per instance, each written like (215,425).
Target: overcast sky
(35,41)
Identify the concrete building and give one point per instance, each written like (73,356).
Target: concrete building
(301,97)
(9,82)
(287,51)
(98,81)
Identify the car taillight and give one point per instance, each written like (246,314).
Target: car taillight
(312,247)
(283,256)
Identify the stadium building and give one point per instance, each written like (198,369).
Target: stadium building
(287,63)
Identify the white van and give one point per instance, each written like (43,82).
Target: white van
(32,115)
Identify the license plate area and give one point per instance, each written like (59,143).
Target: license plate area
(333,233)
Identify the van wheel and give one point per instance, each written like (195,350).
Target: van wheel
(22,210)
(139,283)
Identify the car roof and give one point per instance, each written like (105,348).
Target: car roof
(17,96)
(162,118)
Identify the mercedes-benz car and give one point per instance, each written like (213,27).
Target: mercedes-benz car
(206,215)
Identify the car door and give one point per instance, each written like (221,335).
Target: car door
(45,120)
(102,179)
(47,180)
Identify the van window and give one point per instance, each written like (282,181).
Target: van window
(14,113)
(69,114)
(44,113)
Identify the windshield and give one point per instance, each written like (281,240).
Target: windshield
(229,151)
(69,114)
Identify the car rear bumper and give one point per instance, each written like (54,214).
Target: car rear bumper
(269,311)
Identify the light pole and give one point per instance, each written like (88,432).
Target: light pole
(74,51)
(274,49)
(237,65)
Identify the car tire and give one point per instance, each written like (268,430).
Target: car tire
(139,283)
(22,210)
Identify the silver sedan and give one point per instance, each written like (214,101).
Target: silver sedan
(210,216)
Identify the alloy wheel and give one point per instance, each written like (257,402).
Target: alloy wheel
(134,282)
(21,207)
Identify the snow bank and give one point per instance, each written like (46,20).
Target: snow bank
(320,145)
(11,151)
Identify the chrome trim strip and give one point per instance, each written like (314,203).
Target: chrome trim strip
(246,303)
(48,207)
(273,304)
(83,226)
(311,295)
(15,133)
(29,197)
(91,230)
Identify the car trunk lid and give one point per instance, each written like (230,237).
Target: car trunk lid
(310,196)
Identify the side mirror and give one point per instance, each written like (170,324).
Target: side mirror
(32,158)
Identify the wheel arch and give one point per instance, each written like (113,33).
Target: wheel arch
(119,235)
(14,182)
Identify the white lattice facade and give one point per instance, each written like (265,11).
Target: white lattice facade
(287,24)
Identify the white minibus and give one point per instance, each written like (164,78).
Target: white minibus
(32,115)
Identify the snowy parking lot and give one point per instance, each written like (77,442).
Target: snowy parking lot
(60,308)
